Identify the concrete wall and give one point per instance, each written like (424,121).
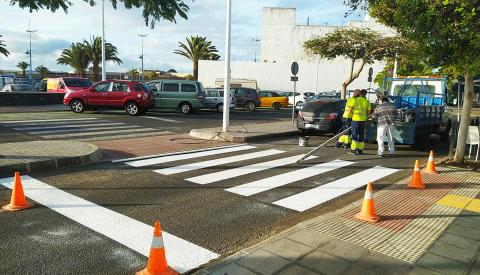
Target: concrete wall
(276,76)
(30,99)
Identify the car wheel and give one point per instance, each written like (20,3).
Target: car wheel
(277,106)
(220,108)
(185,108)
(77,106)
(249,106)
(298,103)
(132,109)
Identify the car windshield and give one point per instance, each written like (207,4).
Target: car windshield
(21,87)
(77,82)
(275,94)
(413,89)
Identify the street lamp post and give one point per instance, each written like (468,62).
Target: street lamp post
(141,56)
(29,52)
(104,75)
(256,40)
(226,86)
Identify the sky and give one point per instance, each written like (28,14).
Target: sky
(56,31)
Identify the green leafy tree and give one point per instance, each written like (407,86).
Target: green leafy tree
(3,49)
(197,48)
(449,34)
(42,70)
(75,57)
(133,73)
(153,10)
(22,66)
(408,65)
(359,46)
(93,50)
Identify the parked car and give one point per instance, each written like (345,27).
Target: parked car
(320,116)
(273,99)
(18,88)
(65,84)
(246,98)
(299,98)
(136,98)
(182,95)
(214,99)
(324,95)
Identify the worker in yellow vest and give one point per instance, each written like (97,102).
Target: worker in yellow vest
(345,139)
(361,111)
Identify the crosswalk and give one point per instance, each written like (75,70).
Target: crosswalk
(278,172)
(81,129)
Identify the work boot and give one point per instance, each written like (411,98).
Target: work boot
(346,146)
(338,145)
(358,152)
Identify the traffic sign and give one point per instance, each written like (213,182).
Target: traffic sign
(294,78)
(294,68)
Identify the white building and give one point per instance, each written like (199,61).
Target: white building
(281,44)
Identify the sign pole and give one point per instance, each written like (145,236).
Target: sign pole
(294,68)
(226,86)
(294,93)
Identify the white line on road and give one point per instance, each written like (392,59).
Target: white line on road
(318,195)
(262,185)
(84,129)
(216,162)
(66,126)
(165,159)
(163,119)
(100,133)
(181,254)
(46,120)
(244,170)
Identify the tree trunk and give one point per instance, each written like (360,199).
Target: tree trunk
(95,69)
(352,77)
(23,73)
(195,70)
(465,119)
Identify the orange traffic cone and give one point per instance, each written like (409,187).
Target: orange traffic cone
(416,177)
(368,207)
(431,164)
(157,263)
(18,200)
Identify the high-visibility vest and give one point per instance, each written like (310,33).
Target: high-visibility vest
(348,113)
(361,109)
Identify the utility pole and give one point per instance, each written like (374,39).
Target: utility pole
(256,40)
(104,75)
(141,56)
(226,85)
(29,52)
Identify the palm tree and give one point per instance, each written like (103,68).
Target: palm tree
(22,66)
(75,57)
(197,48)
(42,70)
(93,50)
(133,73)
(3,49)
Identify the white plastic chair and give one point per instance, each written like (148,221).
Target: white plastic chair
(473,138)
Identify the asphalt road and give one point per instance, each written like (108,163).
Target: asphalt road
(41,241)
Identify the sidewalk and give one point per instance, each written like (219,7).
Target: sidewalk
(431,231)
(247,132)
(37,108)
(34,156)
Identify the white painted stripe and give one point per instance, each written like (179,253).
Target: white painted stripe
(157,242)
(100,133)
(84,129)
(244,170)
(181,254)
(116,137)
(174,153)
(58,124)
(66,126)
(416,169)
(162,119)
(216,162)
(368,195)
(321,194)
(46,120)
(263,185)
(159,160)
(430,158)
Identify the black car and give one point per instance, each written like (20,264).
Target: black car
(320,116)
(246,98)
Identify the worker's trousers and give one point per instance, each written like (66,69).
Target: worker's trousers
(345,139)
(358,135)
(382,133)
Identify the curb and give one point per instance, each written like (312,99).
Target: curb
(43,165)
(231,137)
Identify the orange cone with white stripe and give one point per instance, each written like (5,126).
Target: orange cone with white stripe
(416,181)
(18,200)
(368,207)
(431,164)
(157,262)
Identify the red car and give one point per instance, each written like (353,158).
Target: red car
(135,97)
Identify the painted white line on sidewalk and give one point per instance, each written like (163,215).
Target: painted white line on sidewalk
(181,254)
(84,129)
(66,126)
(100,133)
(46,120)
(266,184)
(216,162)
(162,119)
(125,136)
(159,160)
(244,170)
(321,194)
